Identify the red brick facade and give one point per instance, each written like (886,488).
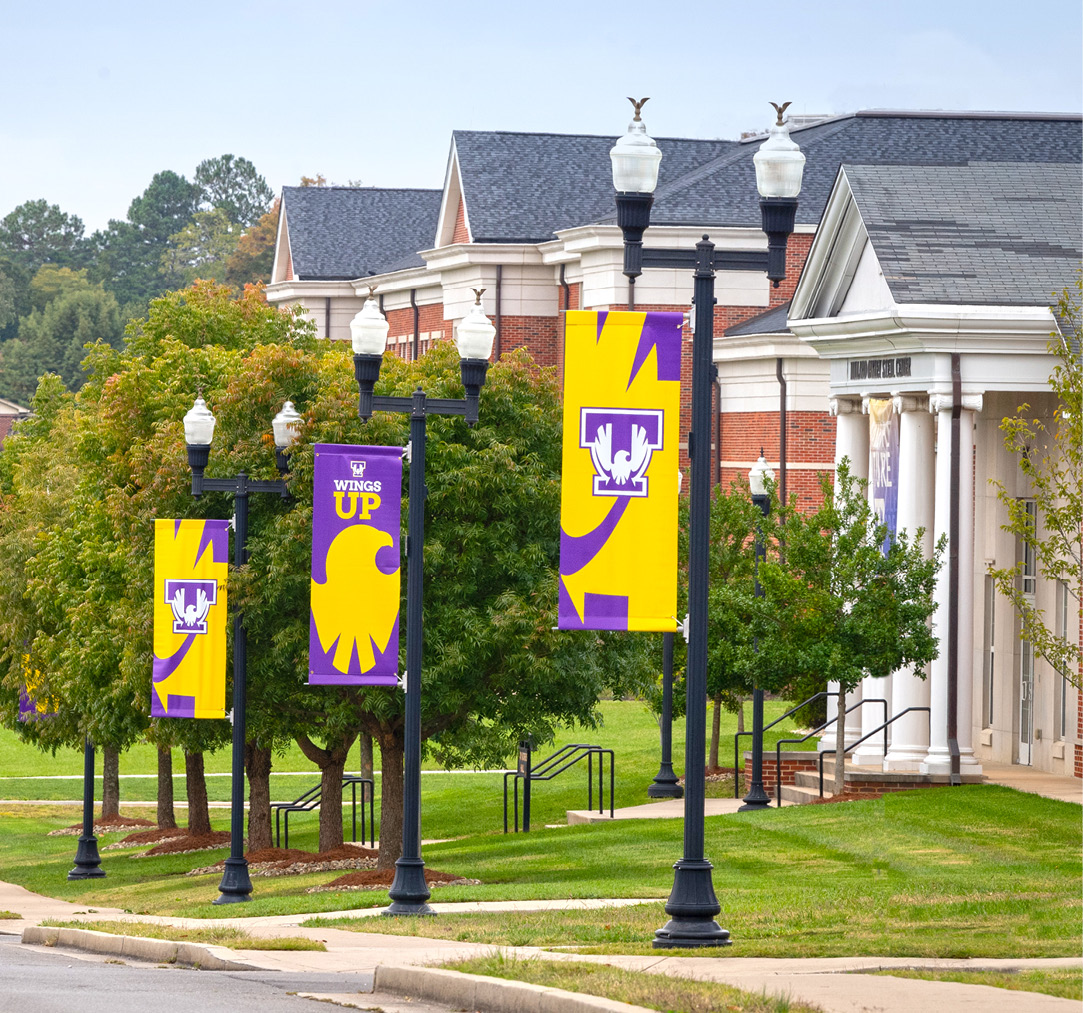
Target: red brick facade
(792,762)
(461,233)
(431,324)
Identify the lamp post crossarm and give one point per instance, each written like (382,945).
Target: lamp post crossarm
(721,260)
(231,485)
(432,405)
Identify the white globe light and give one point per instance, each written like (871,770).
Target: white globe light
(199,425)
(779,163)
(286,426)
(476,333)
(635,158)
(759,476)
(368,329)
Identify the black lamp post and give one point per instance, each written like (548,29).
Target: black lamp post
(692,904)
(409,893)
(665,783)
(87,861)
(236,884)
(758,478)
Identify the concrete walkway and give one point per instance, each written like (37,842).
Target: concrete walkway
(1038,782)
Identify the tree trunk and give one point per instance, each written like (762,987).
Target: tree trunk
(332,763)
(716,726)
(167,819)
(391,758)
(366,755)
(257,764)
(199,813)
(840,744)
(110,782)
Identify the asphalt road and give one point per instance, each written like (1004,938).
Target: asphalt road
(37,981)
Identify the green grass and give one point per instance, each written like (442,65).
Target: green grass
(5,915)
(1065,983)
(235,939)
(655,991)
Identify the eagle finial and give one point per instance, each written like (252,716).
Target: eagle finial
(780,109)
(638,106)
(372,291)
(478,293)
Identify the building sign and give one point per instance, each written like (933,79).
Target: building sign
(618,513)
(191,559)
(354,621)
(884,462)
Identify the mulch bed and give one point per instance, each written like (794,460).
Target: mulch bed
(293,862)
(141,838)
(187,843)
(103,825)
(381,879)
(713,774)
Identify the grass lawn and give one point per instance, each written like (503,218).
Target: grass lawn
(950,872)
(655,991)
(235,939)
(1066,983)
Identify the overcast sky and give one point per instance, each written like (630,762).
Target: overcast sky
(99,97)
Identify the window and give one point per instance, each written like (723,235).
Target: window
(988,669)
(1060,701)
(1030,560)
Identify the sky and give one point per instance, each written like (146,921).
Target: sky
(99,97)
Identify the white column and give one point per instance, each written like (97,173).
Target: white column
(871,714)
(910,734)
(852,442)
(938,759)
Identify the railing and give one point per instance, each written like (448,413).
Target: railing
(817,731)
(792,710)
(556,764)
(311,800)
(882,727)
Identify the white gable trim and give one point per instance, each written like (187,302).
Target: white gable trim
(283,252)
(451,201)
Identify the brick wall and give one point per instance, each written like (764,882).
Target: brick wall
(792,762)
(542,336)
(431,325)
(461,233)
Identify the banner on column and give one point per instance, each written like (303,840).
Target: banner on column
(884,463)
(618,511)
(191,559)
(356,509)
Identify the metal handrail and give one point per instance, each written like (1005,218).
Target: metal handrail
(883,727)
(816,731)
(803,703)
(567,756)
(311,799)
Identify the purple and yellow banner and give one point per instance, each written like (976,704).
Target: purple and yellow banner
(884,463)
(618,510)
(356,508)
(34,701)
(191,560)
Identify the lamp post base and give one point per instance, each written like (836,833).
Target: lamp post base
(665,784)
(236,885)
(692,907)
(755,800)
(87,860)
(409,891)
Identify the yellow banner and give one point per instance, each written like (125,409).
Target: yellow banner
(191,559)
(618,513)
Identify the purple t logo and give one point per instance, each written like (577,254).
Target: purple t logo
(190,600)
(620,441)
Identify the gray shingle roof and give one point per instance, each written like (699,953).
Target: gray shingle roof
(523,187)
(772,321)
(725,193)
(350,232)
(987,233)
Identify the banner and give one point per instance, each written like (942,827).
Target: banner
(884,463)
(618,510)
(356,507)
(191,559)
(34,701)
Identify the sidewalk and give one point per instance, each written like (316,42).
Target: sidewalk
(826,981)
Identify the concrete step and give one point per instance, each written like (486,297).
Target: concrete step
(801,796)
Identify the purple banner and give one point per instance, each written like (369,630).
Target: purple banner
(354,623)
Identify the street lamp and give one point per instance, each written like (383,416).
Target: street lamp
(665,783)
(199,423)
(87,860)
(368,330)
(692,904)
(758,479)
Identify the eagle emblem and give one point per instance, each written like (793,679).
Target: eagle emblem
(620,442)
(191,601)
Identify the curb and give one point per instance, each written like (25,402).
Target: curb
(160,951)
(480,992)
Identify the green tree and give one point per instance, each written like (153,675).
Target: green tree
(253,258)
(202,248)
(37,233)
(53,340)
(233,186)
(838,602)
(1050,456)
(53,281)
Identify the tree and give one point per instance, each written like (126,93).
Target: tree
(839,603)
(253,258)
(1050,457)
(233,186)
(52,281)
(37,233)
(202,248)
(53,339)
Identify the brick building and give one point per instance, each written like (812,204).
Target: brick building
(531,219)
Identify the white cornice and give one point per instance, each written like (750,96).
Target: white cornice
(761,346)
(466,254)
(280,291)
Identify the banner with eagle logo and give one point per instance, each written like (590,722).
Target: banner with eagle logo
(356,509)
(618,511)
(191,559)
